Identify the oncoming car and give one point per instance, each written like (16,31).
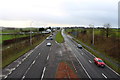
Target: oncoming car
(99,62)
(47,38)
(79,46)
(49,44)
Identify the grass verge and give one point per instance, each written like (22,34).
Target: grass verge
(59,38)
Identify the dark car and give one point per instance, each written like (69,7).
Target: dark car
(79,46)
(99,62)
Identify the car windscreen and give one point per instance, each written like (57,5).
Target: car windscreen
(100,61)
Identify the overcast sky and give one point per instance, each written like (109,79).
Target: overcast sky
(23,13)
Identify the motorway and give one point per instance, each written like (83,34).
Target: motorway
(43,61)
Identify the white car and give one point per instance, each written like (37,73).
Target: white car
(79,46)
(47,38)
(49,44)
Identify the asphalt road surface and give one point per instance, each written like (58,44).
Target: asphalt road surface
(43,61)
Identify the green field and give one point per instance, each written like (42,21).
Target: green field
(8,37)
(113,32)
(59,38)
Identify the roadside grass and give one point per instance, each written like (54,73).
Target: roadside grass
(8,37)
(59,38)
(13,57)
(116,68)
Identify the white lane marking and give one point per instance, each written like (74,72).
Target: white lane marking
(23,59)
(13,69)
(83,67)
(47,57)
(9,72)
(106,65)
(74,66)
(43,73)
(23,77)
(104,76)
(57,42)
(18,65)
(82,53)
(19,62)
(6,77)
(89,52)
(28,69)
(33,62)
(39,53)
(113,70)
(60,52)
(90,61)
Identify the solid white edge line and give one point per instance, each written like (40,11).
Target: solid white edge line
(106,65)
(104,76)
(23,60)
(43,73)
(83,67)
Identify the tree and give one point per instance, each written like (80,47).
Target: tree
(107,29)
(41,29)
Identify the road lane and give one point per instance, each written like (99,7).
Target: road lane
(22,68)
(42,63)
(92,69)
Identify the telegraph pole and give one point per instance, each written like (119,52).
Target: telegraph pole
(91,25)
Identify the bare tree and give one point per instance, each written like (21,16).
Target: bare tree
(107,29)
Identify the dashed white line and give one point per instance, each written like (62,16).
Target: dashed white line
(39,53)
(13,69)
(43,73)
(50,48)
(23,77)
(83,67)
(74,66)
(10,72)
(18,65)
(106,65)
(19,62)
(82,53)
(6,77)
(28,70)
(47,57)
(33,62)
(90,61)
(104,76)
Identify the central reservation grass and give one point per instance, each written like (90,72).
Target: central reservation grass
(59,38)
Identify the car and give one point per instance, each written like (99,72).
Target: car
(99,62)
(51,38)
(48,44)
(79,46)
(47,38)
(50,35)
